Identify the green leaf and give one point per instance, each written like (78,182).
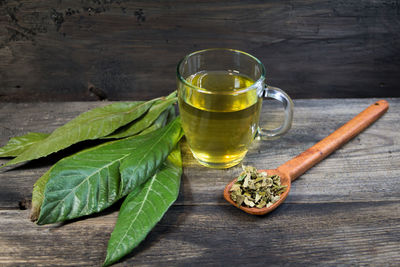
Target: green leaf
(161,121)
(172,95)
(136,168)
(140,124)
(38,195)
(141,212)
(92,124)
(171,114)
(19,144)
(92,180)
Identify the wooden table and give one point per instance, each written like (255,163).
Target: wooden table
(345,210)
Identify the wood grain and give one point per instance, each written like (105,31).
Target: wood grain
(313,155)
(116,49)
(203,235)
(292,169)
(344,211)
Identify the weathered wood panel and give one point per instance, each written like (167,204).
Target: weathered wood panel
(355,233)
(344,211)
(118,49)
(367,167)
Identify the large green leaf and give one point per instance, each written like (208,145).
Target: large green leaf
(136,127)
(19,144)
(39,187)
(93,179)
(92,124)
(136,168)
(140,212)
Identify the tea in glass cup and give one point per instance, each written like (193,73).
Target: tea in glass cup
(220,94)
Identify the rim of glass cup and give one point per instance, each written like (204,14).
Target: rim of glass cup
(255,85)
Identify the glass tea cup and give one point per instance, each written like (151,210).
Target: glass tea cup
(220,93)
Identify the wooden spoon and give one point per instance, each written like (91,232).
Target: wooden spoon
(295,167)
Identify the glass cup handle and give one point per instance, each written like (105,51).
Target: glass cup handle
(280,95)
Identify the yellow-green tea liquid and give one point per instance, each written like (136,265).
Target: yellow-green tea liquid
(219,124)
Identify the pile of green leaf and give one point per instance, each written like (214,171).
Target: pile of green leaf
(139,159)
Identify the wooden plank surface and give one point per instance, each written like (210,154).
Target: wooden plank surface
(115,49)
(345,210)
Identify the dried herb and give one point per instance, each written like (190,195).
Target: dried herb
(256,189)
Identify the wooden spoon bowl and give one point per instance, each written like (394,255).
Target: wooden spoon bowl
(256,211)
(295,167)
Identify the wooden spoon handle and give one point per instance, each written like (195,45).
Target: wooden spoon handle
(300,164)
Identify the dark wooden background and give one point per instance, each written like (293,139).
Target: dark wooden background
(54,50)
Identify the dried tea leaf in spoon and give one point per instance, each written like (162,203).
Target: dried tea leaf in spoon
(256,189)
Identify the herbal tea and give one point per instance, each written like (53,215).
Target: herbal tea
(220,95)
(219,123)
